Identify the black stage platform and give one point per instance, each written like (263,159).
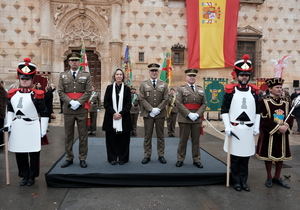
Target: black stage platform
(100,173)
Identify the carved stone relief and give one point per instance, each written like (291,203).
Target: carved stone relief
(82,28)
(104,12)
(60,9)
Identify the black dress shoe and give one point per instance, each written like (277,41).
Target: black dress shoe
(198,164)
(268,183)
(23,182)
(245,187)
(146,160)
(30,182)
(122,162)
(83,164)
(179,164)
(171,135)
(237,187)
(162,160)
(281,183)
(66,163)
(92,133)
(113,162)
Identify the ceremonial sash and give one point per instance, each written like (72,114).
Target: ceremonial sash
(192,106)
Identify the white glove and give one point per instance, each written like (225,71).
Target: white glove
(256,125)
(227,125)
(74,104)
(196,115)
(192,116)
(9,119)
(156,111)
(152,114)
(44,125)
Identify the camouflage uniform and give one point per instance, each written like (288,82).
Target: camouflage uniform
(186,96)
(151,97)
(81,84)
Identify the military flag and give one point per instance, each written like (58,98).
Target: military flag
(166,71)
(83,59)
(127,67)
(212,29)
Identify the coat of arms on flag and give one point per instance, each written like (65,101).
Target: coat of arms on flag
(211,12)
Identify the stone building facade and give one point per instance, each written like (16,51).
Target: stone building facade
(49,30)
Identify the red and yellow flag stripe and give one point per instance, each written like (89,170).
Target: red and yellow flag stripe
(212,29)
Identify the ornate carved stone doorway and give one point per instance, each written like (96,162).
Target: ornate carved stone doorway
(94,66)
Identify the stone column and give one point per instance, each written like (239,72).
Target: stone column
(46,47)
(115,43)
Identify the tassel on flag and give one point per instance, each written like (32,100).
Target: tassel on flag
(83,60)
(166,73)
(127,67)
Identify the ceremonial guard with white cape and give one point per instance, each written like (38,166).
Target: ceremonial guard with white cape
(27,121)
(241,119)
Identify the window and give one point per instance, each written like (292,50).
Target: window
(141,57)
(178,54)
(249,42)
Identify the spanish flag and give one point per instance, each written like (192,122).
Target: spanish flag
(212,29)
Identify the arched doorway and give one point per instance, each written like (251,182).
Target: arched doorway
(94,66)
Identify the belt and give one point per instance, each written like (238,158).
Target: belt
(25,119)
(235,124)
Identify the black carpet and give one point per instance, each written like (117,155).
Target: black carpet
(100,173)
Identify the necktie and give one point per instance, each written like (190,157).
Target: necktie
(74,74)
(192,86)
(154,83)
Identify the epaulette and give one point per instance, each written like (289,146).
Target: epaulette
(229,88)
(12,92)
(38,94)
(254,88)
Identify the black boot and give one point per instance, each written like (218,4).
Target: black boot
(23,182)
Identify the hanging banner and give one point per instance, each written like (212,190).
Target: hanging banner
(214,92)
(212,29)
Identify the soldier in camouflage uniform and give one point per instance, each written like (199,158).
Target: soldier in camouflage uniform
(74,90)
(153,101)
(191,105)
(95,106)
(172,112)
(134,111)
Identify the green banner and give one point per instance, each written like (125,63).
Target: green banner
(214,92)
